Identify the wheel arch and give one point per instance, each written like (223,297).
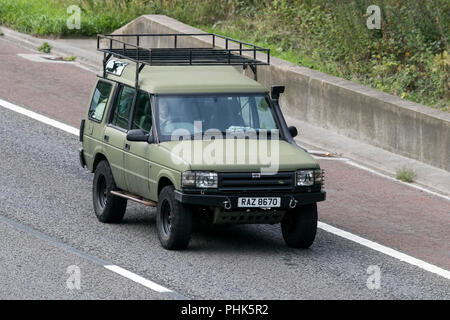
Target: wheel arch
(164,181)
(97,158)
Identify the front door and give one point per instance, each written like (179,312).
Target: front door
(137,153)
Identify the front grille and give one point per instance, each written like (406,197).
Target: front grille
(281,181)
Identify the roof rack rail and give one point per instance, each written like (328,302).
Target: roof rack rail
(235,53)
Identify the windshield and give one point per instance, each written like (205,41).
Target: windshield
(223,113)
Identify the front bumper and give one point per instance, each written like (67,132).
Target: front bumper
(220,200)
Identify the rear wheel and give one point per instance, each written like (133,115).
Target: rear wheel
(108,208)
(173,221)
(299,226)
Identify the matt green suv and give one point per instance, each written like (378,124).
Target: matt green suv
(184,131)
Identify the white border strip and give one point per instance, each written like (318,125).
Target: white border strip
(386,250)
(39,117)
(412,185)
(344,234)
(364,168)
(138,279)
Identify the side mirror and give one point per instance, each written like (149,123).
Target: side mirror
(137,135)
(293,131)
(276,91)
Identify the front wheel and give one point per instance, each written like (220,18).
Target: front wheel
(299,226)
(173,221)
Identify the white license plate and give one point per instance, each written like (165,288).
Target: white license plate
(259,202)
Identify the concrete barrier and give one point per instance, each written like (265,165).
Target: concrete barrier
(356,111)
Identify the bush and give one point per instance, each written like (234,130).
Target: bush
(45,47)
(406,175)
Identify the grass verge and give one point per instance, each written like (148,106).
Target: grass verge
(408,57)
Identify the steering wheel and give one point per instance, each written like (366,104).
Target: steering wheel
(171,120)
(176,119)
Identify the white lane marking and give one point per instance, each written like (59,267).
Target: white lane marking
(344,234)
(39,117)
(386,250)
(138,279)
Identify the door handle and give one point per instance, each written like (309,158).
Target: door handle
(127,147)
(106,138)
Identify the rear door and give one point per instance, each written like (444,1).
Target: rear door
(116,131)
(137,154)
(94,123)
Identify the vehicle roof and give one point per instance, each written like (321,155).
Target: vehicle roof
(188,79)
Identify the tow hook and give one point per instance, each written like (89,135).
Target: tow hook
(227,204)
(293,203)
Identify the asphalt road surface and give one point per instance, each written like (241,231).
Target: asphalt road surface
(47,223)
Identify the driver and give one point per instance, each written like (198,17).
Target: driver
(175,114)
(165,112)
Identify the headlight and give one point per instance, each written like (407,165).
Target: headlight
(308,177)
(199,179)
(206,179)
(305,178)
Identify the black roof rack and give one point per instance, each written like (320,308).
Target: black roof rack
(235,53)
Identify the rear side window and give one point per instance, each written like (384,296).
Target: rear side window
(99,100)
(122,109)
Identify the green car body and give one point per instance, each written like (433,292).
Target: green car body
(142,169)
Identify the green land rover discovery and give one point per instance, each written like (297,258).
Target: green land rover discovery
(182,130)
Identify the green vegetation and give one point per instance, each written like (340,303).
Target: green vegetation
(406,175)
(45,47)
(71,58)
(1,32)
(408,57)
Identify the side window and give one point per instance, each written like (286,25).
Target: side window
(257,113)
(266,118)
(142,116)
(99,100)
(122,108)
